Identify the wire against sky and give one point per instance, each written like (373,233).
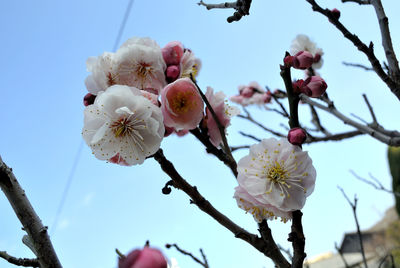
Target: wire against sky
(78,154)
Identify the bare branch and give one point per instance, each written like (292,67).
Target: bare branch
(19,261)
(250,136)
(317,122)
(354,208)
(367,50)
(29,219)
(371,110)
(341,256)
(221,128)
(250,118)
(374,182)
(242,8)
(204,264)
(394,70)
(206,206)
(298,240)
(204,257)
(376,132)
(360,2)
(334,137)
(357,65)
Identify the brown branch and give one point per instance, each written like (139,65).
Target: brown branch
(204,264)
(394,70)
(210,148)
(354,208)
(317,122)
(334,137)
(29,219)
(293,98)
(242,8)
(249,136)
(19,261)
(357,65)
(221,128)
(205,205)
(374,182)
(371,110)
(376,132)
(298,240)
(251,119)
(360,2)
(341,256)
(367,50)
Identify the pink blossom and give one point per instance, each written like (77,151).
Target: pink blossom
(182,106)
(297,136)
(302,60)
(316,85)
(144,258)
(172,53)
(223,111)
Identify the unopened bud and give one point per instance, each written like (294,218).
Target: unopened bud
(144,258)
(247,92)
(172,73)
(172,53)
(335,13)
(316,85)
(288,60)
(297,136)
(89,99)
(303,60)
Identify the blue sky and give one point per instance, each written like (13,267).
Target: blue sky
(44,48)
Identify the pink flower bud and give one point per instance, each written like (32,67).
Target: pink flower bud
(247,92)
(88,99)
(267,97)
(303,60)
(172,72)
(317,57)
(172,53)
(145,258)
(335,13)
(239,99)
(297,136)
(316,85)
(288,60)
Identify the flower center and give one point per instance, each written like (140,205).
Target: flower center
(181,103)
(277,173)
(143,69)
(122,127)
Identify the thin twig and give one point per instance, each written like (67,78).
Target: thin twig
(317,122)
(341,256)
(221,128)
(354,208)
(374,183)
(357,65)
(31,222)
(376,132)
(284,112)
(249,136)
(367,50)
(19,261)
(184,252)
(360,2)
(371,110)
(250,118)
(206,206)
(204,257)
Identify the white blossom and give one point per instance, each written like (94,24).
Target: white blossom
(303,43)
(103,72)
(277,173)
(190,64)
(122,126)
(139,63)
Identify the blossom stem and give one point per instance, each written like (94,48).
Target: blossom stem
(261,244)
(293,98)
(31,222)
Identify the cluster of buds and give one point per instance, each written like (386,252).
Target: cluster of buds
(252,94)
(141,93)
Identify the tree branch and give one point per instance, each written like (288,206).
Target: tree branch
(367,50)
(206,206)
(204,264)
(374,182)
(27,216)
(242,8)
(360,2)
(354,208)
(19,261)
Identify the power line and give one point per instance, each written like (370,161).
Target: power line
(78,153)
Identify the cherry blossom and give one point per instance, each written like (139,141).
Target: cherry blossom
(277,173)
(122,126)
(303,43)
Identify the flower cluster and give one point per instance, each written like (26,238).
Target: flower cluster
(252,94)
(140,94)
(274,180)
